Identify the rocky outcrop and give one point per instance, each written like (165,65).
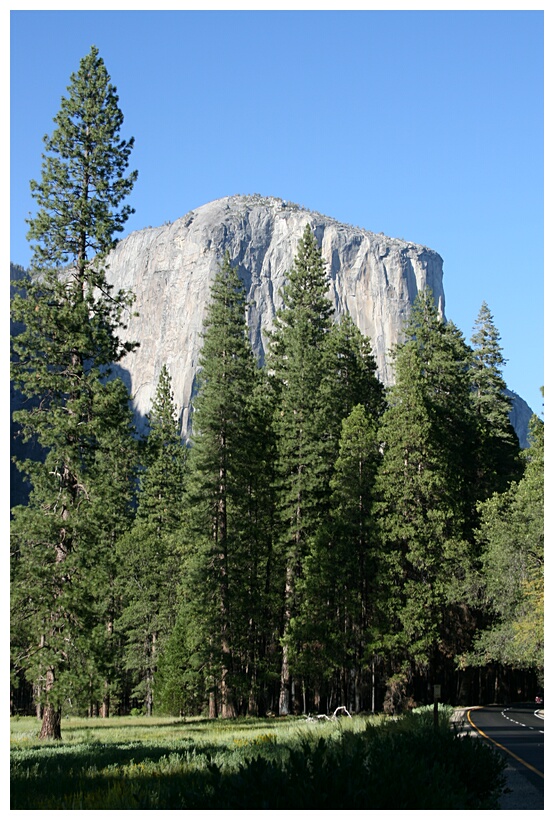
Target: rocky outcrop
(170,270)
(520,416)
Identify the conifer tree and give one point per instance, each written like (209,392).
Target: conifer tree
(296,362)
(148,551)
(425,505)
(348,378)
(61,365)
(338,591)
(348,381)
(163,462)
(497,454)
(108,515)
(511,535)
(226,541)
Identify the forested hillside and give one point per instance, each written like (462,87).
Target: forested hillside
(322,542)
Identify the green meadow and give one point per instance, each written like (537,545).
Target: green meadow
(271,763)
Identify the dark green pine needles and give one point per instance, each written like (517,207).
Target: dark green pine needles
(61,365)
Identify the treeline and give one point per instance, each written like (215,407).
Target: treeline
(322,542)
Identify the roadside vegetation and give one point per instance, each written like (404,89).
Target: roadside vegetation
(247,763)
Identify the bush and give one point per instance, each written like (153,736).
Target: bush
(396,700)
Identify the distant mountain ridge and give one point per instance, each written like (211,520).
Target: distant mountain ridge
(372,277)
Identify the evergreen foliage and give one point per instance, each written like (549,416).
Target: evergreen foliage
(147,552)
(297,349)
(296,361)
(497,454)
(425,504)
(61,365)
(227,539)
(348,378)
(338,591)
(83,174)
(512,538)
(319,531)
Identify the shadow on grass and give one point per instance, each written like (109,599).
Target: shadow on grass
(372,769)
(182,774)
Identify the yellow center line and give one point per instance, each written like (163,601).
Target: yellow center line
(504,749)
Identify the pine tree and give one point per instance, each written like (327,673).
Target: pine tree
(61,365)
(147,552)
(83,176)
(348,381)
(164,455)
(424,488)
(108,515)
(497,456)
(349,378)
(511,534)
(338,594)
(227,543)
(296,357)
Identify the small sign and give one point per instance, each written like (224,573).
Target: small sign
(437,690)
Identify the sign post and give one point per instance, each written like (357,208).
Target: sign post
(436,696)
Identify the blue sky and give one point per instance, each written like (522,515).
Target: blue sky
(426,125)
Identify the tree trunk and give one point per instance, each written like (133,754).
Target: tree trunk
(317,698)
(51,723)
(296,696)
(105,709)
(284,691)
(148,698)
(212,709)
(227,706)
(253,708)
(105,713)
(52,716)
(151,673)
(372,685)
(38,704)
(227,696)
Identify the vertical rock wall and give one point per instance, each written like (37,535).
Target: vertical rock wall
(170,270)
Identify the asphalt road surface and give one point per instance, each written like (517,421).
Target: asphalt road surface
(518,731)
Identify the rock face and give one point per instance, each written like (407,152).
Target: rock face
(520,416)
(170,270)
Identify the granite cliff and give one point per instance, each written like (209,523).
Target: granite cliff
(170,269)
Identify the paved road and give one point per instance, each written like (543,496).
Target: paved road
(518,730)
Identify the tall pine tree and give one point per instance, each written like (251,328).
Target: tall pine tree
(497,454)
(147,552)
(511,535)
(348,378)
(226,541)
(61,364)
(348,381)
(296,358)
(108,515)
(338,590)
(425,491)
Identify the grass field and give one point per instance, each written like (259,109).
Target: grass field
(272,763)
